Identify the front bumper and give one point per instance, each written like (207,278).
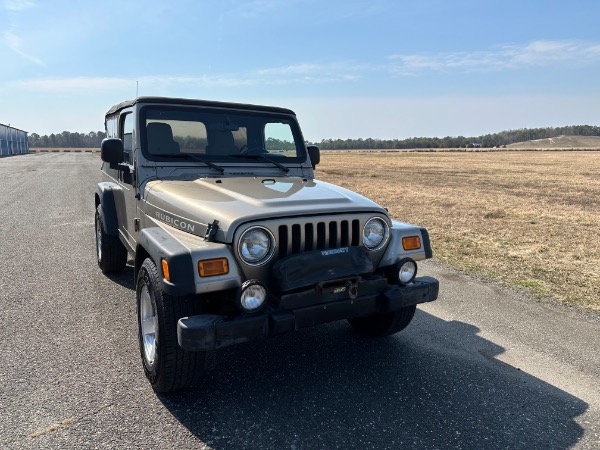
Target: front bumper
(299,310)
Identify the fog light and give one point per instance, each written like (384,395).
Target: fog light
(407,271)
(252,295)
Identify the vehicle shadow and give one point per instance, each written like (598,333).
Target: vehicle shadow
(124,278)
(435,385)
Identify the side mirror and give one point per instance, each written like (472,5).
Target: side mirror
(314,154)
(111,150)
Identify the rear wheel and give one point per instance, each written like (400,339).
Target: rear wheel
(111,253)
(379,325)
(167,366)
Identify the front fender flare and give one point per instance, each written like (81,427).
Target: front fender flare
(395,252)
(182,260)
(160,245)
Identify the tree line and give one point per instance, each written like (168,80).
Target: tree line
(66,139)
(500,139)
(93,139)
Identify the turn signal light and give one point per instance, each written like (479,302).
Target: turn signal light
(165,268)
(411,243)
(213,267)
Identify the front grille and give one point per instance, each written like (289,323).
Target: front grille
(301,237)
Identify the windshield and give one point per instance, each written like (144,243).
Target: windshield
(170,133)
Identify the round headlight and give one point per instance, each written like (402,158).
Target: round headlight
(252,295)
(255,245)
(407,271)
(374,233)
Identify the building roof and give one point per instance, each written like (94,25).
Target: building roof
(8,126)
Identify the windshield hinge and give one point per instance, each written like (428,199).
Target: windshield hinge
(211,231)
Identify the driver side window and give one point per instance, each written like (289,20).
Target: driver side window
(279,139)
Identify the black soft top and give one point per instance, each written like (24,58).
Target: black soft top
(192,102)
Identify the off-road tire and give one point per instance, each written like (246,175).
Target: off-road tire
(172,368)
(110,252)
(379,325)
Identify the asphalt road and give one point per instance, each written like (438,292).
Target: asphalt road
(481,368)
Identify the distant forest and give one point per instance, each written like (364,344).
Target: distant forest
(92,139)
(489,140)
(66,139)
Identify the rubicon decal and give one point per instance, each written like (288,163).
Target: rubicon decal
(177,223)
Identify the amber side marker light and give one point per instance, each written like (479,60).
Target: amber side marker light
(411,243)
(213,267)
(165,268)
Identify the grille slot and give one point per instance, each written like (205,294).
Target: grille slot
(298,238)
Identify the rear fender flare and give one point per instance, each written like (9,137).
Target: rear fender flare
(105,196)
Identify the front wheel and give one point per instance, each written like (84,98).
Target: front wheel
(379,325)
(167,366)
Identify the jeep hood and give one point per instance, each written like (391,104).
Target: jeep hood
(190,205)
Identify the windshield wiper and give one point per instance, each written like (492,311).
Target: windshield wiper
(263,158)
(197,158)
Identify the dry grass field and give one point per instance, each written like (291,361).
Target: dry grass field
(530,219)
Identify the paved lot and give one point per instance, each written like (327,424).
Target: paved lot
(482,368)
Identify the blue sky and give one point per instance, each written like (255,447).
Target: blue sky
(381,69)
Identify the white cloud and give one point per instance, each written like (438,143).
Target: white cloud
(309,72)
(109,84)
(12,40)
(294,69)
(257,8)
(303,73)
(17,5)
(76,84)
(509,56)
(14,43)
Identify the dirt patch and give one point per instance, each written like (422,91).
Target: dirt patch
(528,218)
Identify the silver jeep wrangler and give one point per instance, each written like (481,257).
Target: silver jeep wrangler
(233,239)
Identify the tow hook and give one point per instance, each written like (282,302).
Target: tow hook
(352,289)
(348,285)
